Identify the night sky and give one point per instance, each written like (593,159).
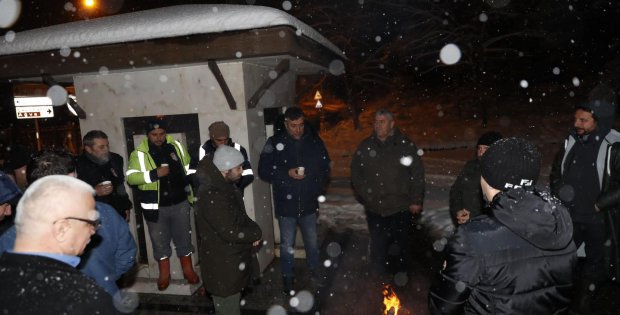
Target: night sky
(395,44)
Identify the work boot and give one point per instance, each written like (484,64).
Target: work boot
(188,269)
(164,274)
(288,285)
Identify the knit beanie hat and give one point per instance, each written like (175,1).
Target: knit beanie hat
(510,163)
(226,157)
(488,138)
(219,129)
(155,123)
(8,189)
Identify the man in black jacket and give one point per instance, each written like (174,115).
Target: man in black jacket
(519,259)
(103,170)
(296,164)
(586,177)
(219,134)
(466,200)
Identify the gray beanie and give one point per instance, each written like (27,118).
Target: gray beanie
(226,157)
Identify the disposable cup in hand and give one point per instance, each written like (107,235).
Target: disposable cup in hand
(300,170)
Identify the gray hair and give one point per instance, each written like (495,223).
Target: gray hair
(384,112)
(42,201)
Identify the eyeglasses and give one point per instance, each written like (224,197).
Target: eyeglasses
(96,224)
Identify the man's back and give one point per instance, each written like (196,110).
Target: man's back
(527,268)
(39,285)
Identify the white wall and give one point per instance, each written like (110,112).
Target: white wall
(107,98)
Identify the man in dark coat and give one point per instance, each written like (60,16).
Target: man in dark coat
(227,234)
(219,134)
(388,177)
(296,164)
(586,177)
(519,259)
(104,171)
(55,219)
(466,200)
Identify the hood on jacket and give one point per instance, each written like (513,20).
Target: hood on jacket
(535,216)
(604,112)
(207,174)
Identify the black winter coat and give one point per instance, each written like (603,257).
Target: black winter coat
(93,174)
(292,197)
(226,233)
(40,285)
(608,201)
(520,260)
(388,176)
(466,192)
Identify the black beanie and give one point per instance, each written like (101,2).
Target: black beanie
(488,138)
(157,122)
(510,163)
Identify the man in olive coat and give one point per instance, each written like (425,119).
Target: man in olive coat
(228,235)
(388,177)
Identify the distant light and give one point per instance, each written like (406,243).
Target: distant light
(318,104)
(89,3)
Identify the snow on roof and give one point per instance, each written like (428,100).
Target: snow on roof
(165,22)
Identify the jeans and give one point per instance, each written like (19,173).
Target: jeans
(288,229)
(390,241)
(173,224)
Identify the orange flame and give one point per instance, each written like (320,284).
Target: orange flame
(390,300)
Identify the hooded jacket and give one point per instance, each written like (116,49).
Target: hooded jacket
(520,260)
(226,233)
(388,176)
(607,160)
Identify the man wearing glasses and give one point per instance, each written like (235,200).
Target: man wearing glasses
(111,251)
(54,222)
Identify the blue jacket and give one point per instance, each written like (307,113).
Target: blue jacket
(295,198)
(110,253)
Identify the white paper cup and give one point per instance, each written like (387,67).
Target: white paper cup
(300,170)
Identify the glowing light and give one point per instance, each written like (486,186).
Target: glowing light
(390,300)
(89,3)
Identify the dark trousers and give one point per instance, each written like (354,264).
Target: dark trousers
(390,241)
(593,235)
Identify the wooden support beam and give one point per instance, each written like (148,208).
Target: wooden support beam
(282,68)
(222,82)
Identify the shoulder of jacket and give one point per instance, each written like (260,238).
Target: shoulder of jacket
(613,136)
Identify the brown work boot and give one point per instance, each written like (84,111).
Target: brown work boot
(188,269)
(164,274)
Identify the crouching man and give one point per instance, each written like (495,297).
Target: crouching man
(520,258)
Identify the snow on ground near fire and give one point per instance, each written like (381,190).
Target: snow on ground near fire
(447,140)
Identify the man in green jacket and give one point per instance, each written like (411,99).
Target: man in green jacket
(159,167)
(388,177)
(228,235)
